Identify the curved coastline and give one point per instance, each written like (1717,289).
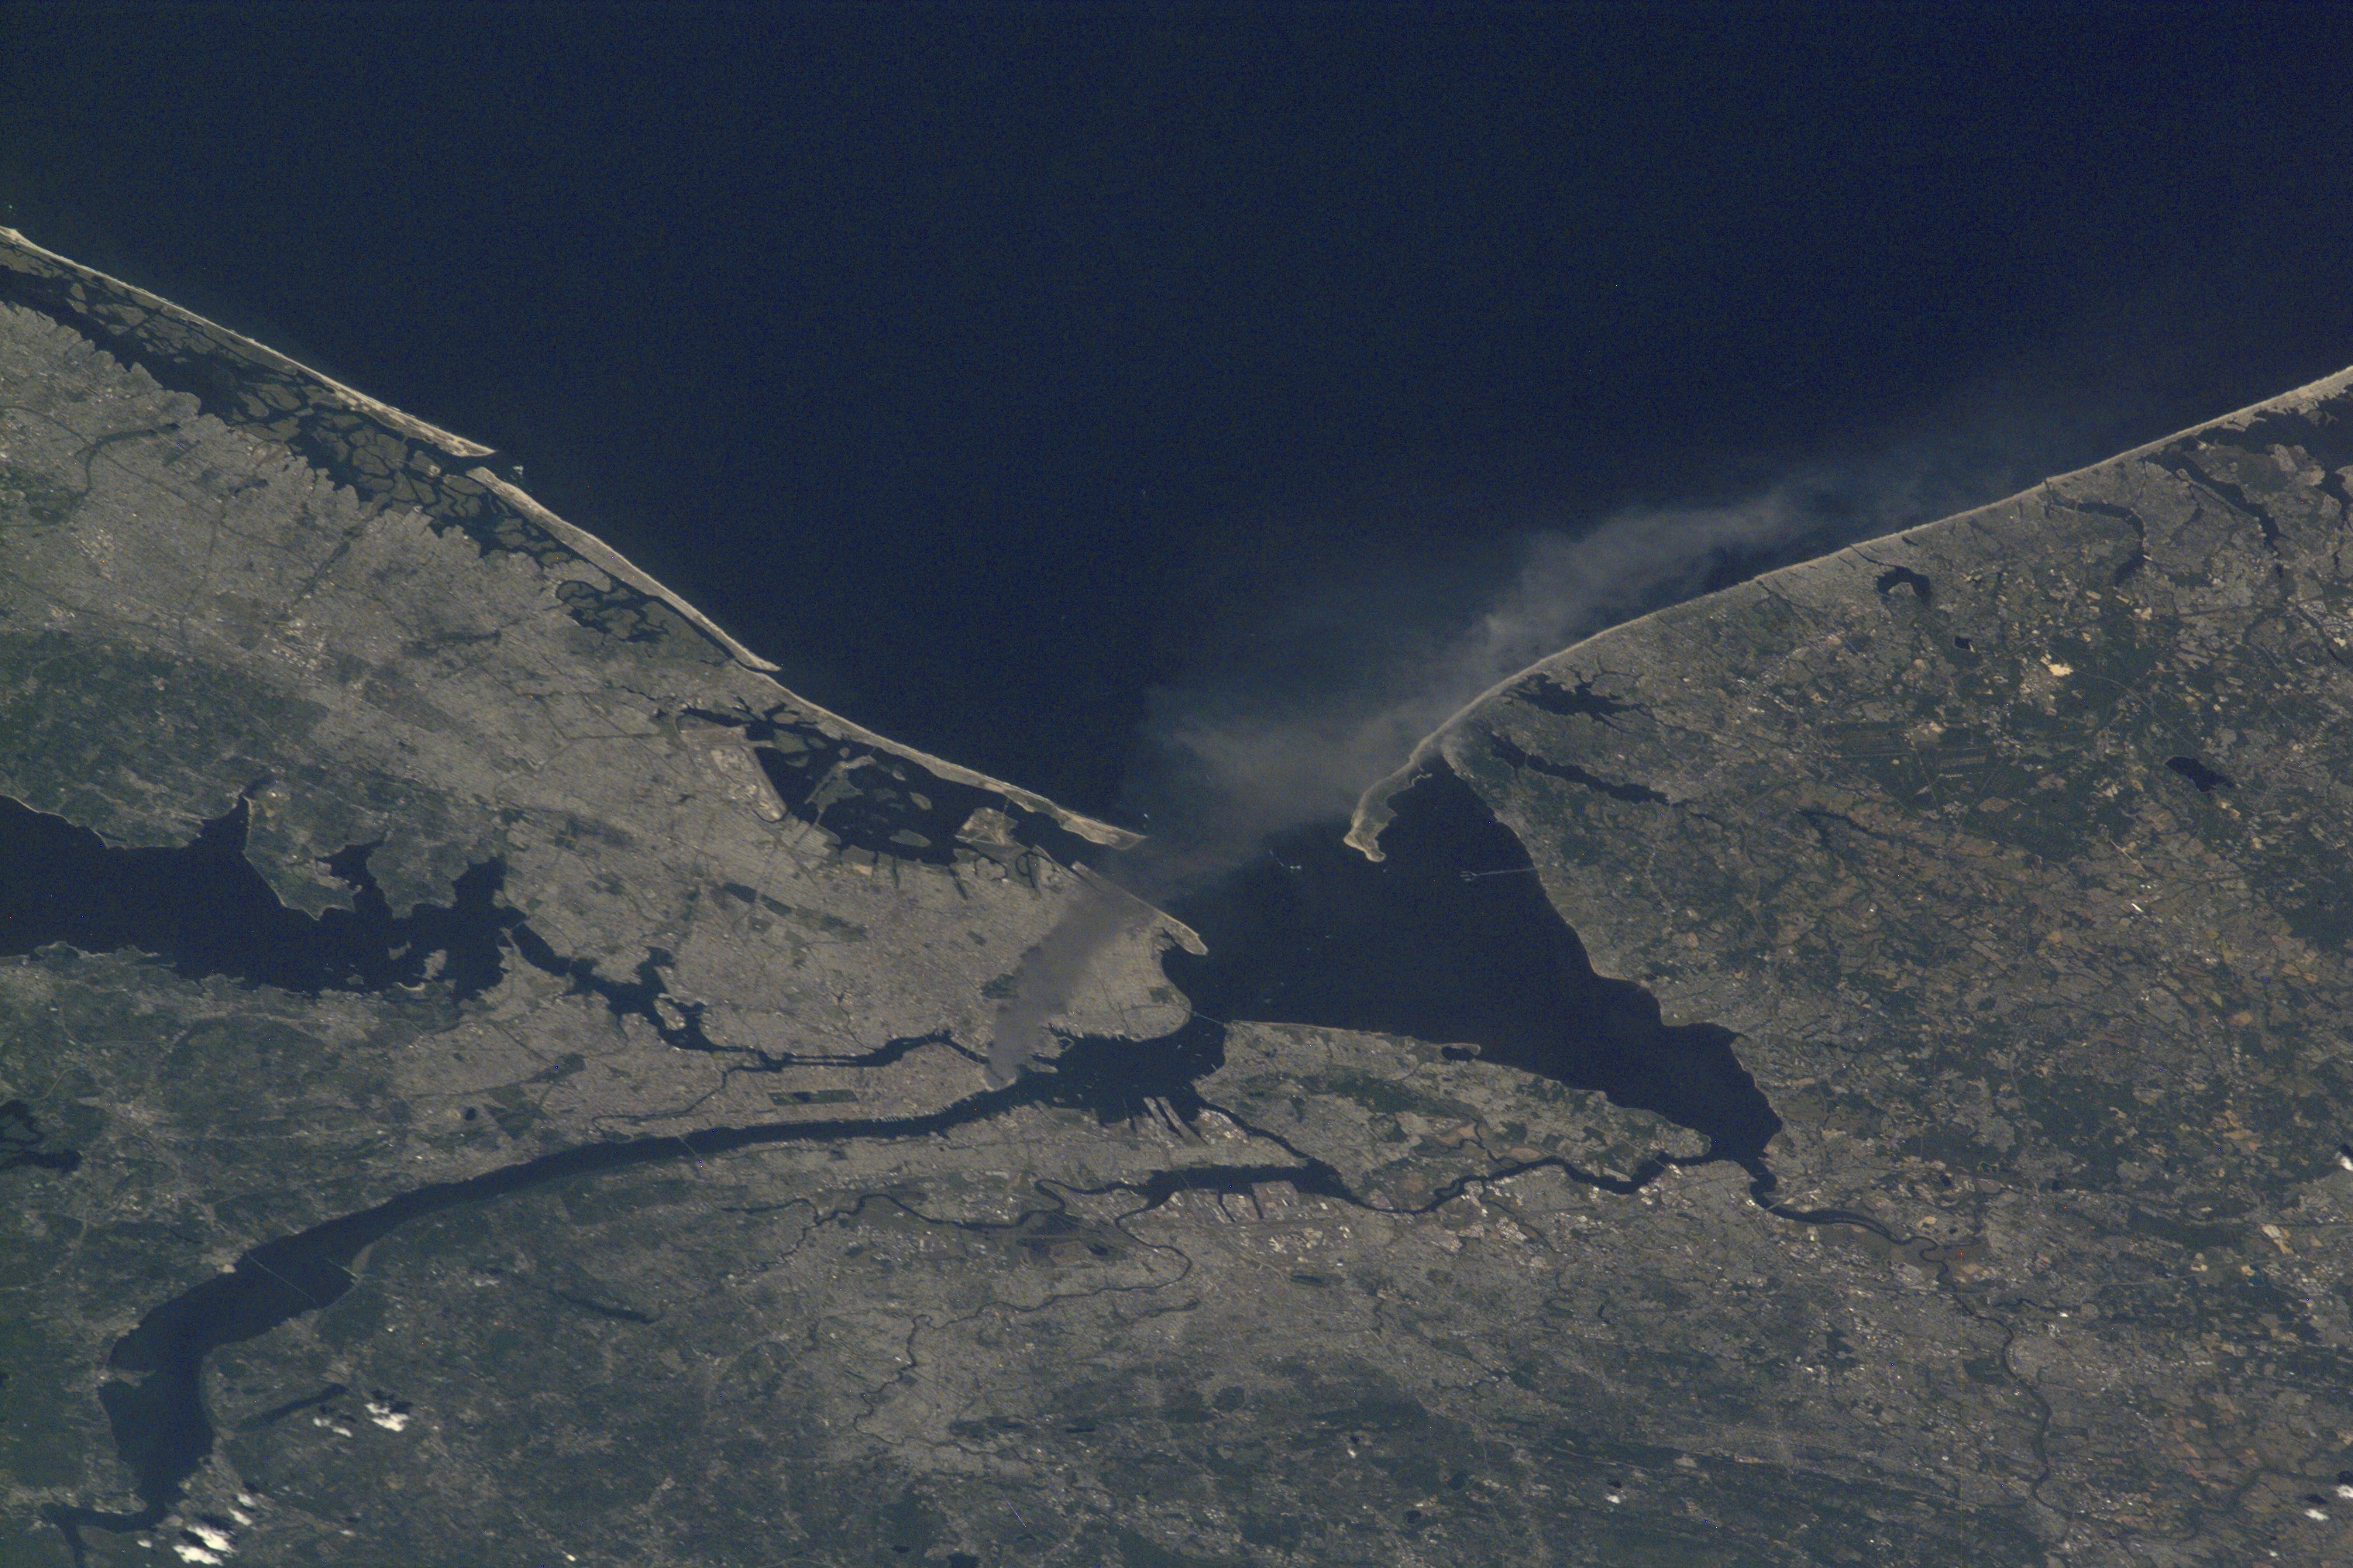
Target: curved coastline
(26,258)
(1372,811)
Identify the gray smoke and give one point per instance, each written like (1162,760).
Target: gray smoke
(1048,974)
(1228,762)
(1291,719)
(1232,764)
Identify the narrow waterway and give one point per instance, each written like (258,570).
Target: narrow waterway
(1448,940)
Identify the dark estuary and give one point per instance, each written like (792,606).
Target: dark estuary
(203,907)
(1449,938)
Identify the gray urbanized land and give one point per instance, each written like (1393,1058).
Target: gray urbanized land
(2013,849)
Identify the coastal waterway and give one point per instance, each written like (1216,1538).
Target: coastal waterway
(1449,938)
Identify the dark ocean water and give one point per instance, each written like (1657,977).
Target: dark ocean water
(991,367)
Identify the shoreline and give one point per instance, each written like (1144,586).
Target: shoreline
(568,536)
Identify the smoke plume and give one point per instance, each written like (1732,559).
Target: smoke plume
(1048,974)
(1227,762)
(1286,720)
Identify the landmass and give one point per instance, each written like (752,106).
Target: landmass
(1851,1071)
